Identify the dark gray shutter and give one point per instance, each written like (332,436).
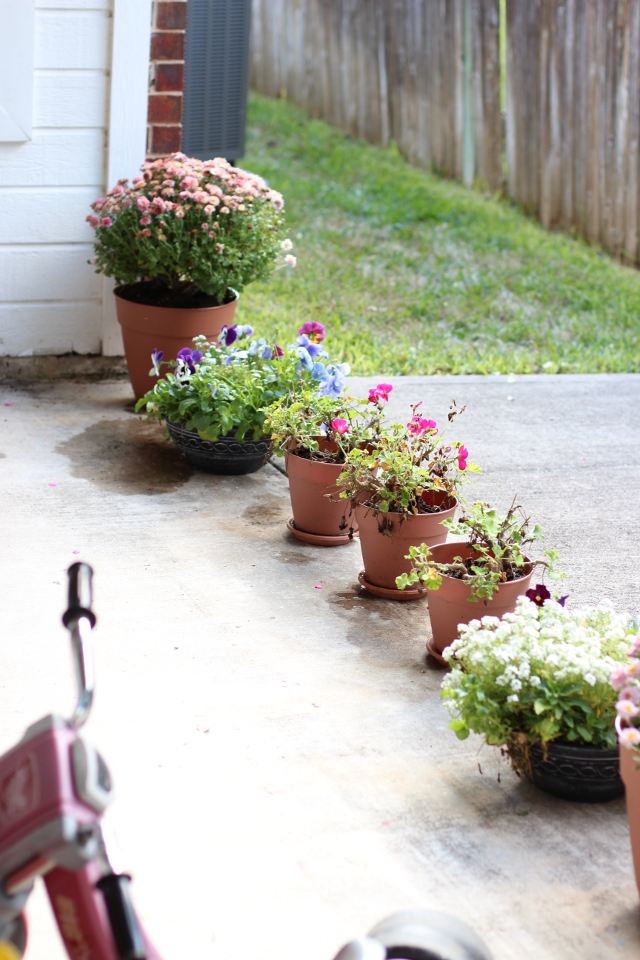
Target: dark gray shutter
(216,78)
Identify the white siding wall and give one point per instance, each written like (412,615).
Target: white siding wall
(50,298)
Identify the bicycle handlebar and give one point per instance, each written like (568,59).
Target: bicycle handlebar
(80,595)
(79,619)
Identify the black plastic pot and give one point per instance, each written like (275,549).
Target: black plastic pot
(585,774)
(226,455)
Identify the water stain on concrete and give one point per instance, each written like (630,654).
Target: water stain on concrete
(293,556)
(267,510)
(126,456)
(387,633)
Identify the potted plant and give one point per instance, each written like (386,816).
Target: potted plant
(315,432)
(625,680)
(181,242)
(214,396)
(536,684)
(490,567)
(402,485)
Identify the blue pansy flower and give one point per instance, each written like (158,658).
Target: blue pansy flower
(333,384)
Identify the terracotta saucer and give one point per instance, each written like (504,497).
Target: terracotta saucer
(431,650)
(388,593)
(318,539)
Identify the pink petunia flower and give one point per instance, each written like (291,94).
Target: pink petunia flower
(629,737)
(340,426)
(381,392)
(619,678)
(418,425)
(625,708)
(463,455)
(629,693)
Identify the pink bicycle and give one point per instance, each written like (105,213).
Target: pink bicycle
(54,789)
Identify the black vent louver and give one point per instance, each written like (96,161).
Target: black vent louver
(216,78)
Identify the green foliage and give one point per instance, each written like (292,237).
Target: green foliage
(217,398)
(305,421)
(418,275)
(190,226)
(400,463)
(500,552)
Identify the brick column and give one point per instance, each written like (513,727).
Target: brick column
(166,77)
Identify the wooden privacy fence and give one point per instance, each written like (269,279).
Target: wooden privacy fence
(408,70)
(573,116)
(426,73)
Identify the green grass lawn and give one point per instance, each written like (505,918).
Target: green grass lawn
(412,274)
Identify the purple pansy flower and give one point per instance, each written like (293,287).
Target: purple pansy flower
(190,358)
(539,594)
(156,357)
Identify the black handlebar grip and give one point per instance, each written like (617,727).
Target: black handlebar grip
(80,594)
(122,917)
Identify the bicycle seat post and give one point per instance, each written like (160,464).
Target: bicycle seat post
(79,620)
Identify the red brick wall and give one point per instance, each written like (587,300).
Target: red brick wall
(166,77)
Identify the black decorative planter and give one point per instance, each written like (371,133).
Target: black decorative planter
(585,774)
(225,455)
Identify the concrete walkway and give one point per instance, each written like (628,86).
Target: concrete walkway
(285,773)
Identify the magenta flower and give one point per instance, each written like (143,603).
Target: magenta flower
(463,454)
(277,352)
(312,329)
(418,425)
(381,392)
(106,222)
(340,426)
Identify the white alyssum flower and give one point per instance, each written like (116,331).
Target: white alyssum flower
(513,665)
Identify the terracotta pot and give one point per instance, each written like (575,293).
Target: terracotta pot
(147,328)
(313,512)
(630,773)
(450,605)
(384,553)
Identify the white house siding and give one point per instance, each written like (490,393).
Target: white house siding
(50,297)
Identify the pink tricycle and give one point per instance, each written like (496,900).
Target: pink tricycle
(54,789)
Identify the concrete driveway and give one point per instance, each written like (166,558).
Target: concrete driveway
(284,770)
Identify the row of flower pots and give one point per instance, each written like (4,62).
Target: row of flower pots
(182,241)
